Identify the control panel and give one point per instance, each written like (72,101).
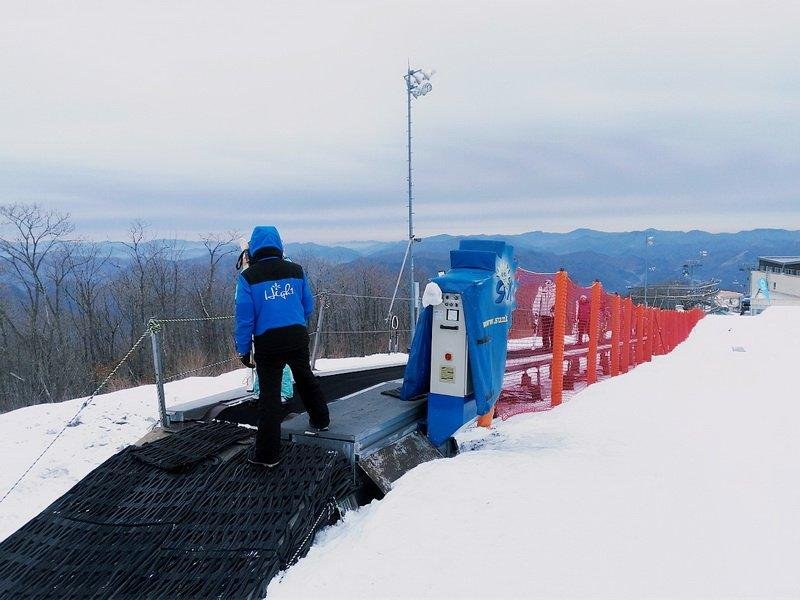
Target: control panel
(449,361)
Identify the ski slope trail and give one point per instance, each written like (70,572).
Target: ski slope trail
(680,479)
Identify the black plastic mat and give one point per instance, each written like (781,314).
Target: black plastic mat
(125,491)
(221,530)
(189,446)
(255,519)
(55,557)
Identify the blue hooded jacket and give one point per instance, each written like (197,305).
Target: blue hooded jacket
(273,298)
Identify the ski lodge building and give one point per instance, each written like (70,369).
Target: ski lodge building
(776,282)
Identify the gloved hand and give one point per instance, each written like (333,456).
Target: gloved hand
(247,361)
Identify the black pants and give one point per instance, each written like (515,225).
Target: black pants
(270,412)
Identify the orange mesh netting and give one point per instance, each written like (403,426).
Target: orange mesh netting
(601,335)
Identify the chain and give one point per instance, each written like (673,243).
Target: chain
(190,371)
(73,421)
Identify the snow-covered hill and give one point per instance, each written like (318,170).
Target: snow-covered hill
(112,422)
(680,479)
(677,480)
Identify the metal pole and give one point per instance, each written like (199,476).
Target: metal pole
(397,283)
(646,267)
(158,368)
(323,300)
(412,300)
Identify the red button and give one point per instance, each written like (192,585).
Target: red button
(448,356)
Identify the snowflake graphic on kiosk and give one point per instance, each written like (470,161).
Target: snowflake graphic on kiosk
(505,278)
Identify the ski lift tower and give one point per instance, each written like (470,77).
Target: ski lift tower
(417,85)
(690,265)
(648,241)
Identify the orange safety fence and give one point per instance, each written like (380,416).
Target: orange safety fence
(565,337)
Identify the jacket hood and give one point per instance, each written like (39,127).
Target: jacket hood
(265,236)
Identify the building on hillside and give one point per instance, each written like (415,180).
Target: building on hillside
(729,301)
(776,282)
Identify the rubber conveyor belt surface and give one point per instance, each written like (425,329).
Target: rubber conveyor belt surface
(222,528)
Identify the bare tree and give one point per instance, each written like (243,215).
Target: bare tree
(219,247)
(69,310)
(95,325)
(35,253)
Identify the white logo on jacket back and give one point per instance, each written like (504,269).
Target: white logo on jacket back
(277,292)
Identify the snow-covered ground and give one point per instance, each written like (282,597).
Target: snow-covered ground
(112,422)
(332,365)
(680,479)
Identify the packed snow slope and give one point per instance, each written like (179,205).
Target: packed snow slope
(112,422)
(680,479)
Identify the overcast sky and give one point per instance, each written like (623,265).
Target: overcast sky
(205,116)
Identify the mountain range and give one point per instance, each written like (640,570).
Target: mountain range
(615,258)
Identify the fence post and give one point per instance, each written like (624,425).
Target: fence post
(676,329)
(486,420)
(158,368)
(323,300)
(615,310)
(631,354)
(671,331)
(648,349)
(625,356)
(658,332)
(594,333)
(632,335)
(639,334)
(559,326)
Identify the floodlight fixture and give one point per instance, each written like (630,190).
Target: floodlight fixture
(418,82)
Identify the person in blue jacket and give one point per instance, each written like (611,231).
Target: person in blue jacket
(273,305)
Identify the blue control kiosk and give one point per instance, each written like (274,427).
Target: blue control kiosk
(459,351)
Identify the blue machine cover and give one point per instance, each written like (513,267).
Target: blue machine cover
(417,377)
(483,273)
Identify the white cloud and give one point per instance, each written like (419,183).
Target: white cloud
(302,103)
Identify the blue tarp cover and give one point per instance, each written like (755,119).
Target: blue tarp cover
(485,280)
(417,377)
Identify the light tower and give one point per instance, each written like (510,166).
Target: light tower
(417,85)
(648,241)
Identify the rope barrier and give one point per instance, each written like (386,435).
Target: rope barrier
(373,331)
(155,325)
(339,295)
(73,421)
(190,371)
(192,319)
